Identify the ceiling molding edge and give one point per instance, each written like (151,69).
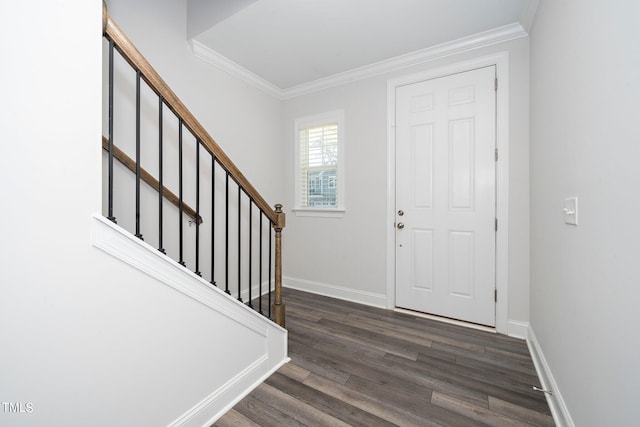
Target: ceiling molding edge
(476,41)
(222,62)
(529,14)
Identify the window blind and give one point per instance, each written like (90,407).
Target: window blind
(319,166)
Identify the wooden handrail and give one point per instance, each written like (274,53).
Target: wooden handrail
(131,54)
(120,155)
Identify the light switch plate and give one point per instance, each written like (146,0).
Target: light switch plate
(571,210)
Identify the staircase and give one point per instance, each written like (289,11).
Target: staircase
(176,208)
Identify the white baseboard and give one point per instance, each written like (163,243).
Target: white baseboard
(556,403)
(333,291)
(217,404)
(517,329)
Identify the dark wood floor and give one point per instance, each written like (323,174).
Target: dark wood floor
(353,365)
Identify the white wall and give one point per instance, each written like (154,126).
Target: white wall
(585,142)
(86,340)
(346,256)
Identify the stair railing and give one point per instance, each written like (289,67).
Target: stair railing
(167,99)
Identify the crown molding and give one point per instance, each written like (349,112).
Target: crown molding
(475,41)
(214,58)
(465,44)
(528,15)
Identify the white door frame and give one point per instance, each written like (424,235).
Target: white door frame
(501,61)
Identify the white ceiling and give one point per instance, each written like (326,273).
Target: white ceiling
(289,43)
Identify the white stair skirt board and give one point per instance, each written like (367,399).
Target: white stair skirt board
(334,291)
(556,403)
(117,242)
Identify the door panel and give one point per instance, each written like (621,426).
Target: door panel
(445,185)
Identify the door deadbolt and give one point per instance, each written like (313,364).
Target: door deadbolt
(400,212)
(400,225)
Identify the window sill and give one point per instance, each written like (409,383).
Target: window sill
(321,213)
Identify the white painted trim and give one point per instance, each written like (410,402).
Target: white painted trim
(320,213)
(556,403)
(529,14)
(518,329)
(214,58)
(334,291)
(501,61)
(117,242)
(475,41)
(207,412)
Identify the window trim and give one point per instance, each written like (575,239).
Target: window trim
(336,116)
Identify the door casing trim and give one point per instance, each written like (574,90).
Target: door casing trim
(501,61)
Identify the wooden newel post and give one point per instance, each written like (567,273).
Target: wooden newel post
(278,306)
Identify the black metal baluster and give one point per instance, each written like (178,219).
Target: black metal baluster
(239,246)
(250,248)
(198,208)
(270,244)
(226,238)
(260,264)
(180,202)
(213,215)
(138,234)
(160,178)
(110,178)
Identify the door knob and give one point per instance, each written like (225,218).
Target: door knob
(400,225)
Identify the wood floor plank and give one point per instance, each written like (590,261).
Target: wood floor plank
(390,413)
(396,376)
(401,334)
(364,366)
(456,376)
(351,348)
(295,408)
(504,379)
(519,413)
(417,403)
(421,330)
(235,419)
(525,378)
(264,415)
(333,328)
(323,367)
(500,360)
(294,372)
(336,407)
(477,413)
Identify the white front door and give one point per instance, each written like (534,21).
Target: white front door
(446,196)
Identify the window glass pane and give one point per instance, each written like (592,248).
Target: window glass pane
(322,188)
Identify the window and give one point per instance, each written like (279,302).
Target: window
(319,164)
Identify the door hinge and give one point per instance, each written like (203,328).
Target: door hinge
(496,224)
(495,295)
(496,84)
(496,154)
